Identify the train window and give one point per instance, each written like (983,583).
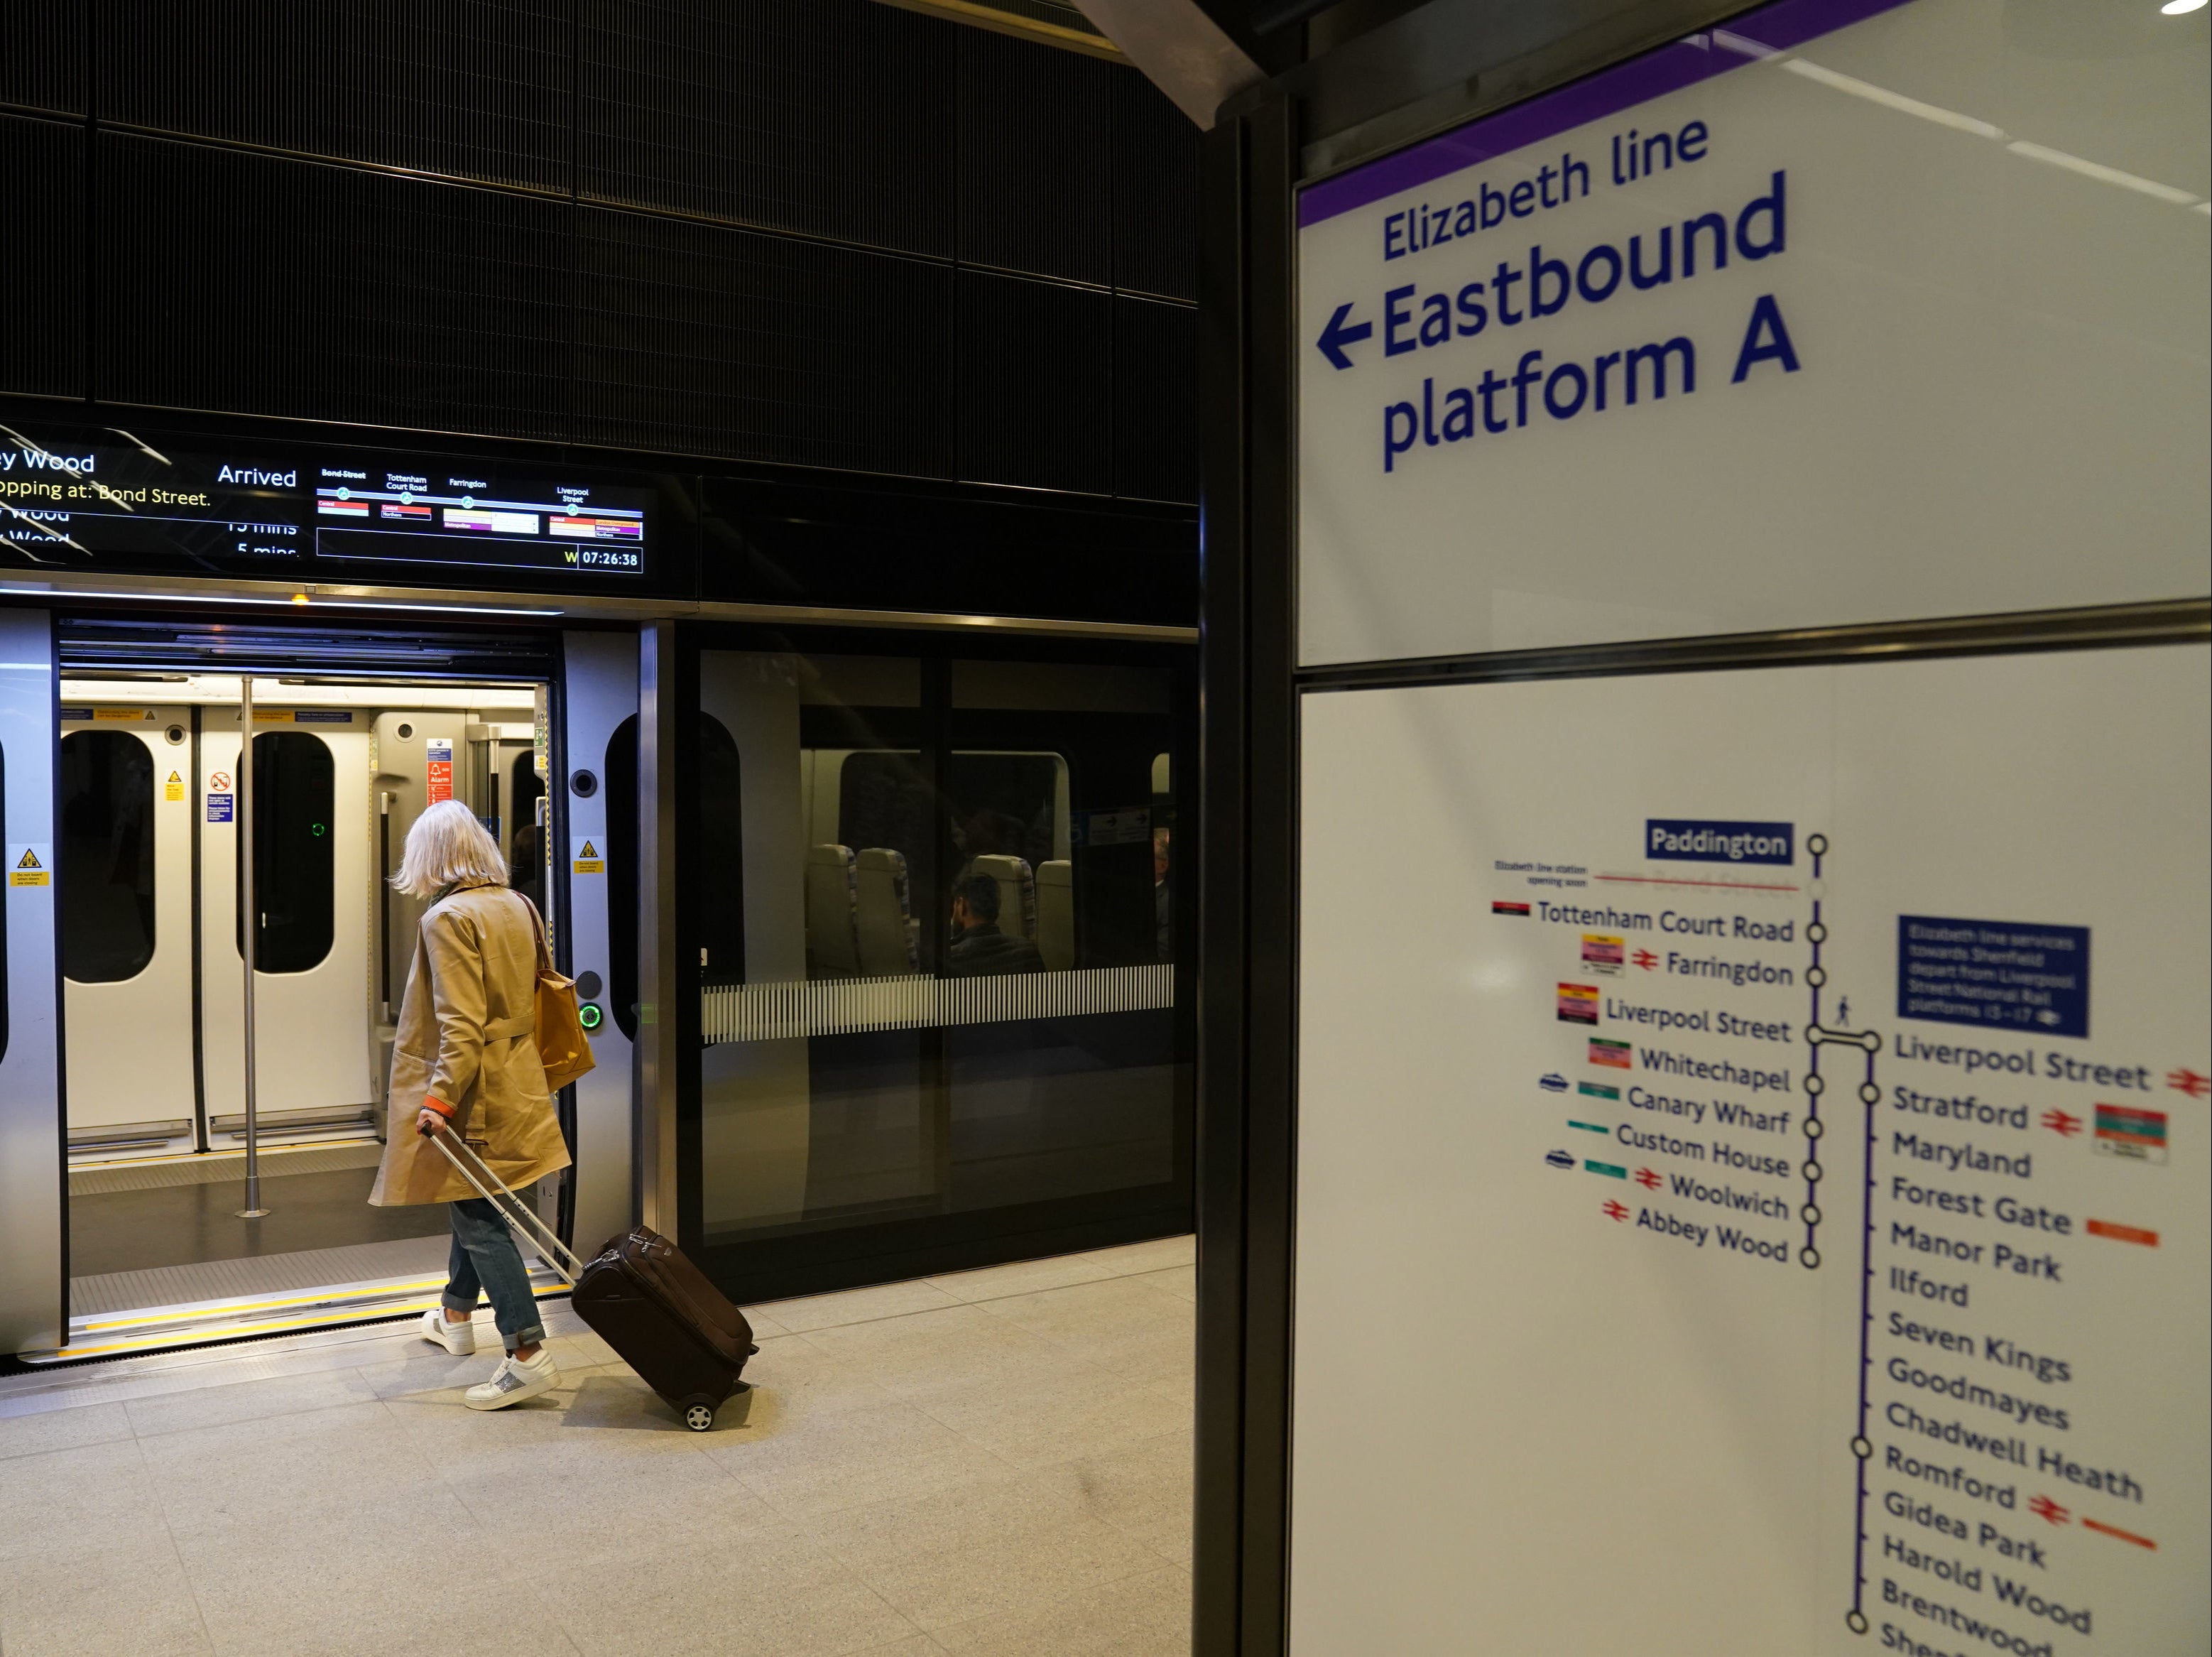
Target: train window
(106,857)
(1165,856)
(1008,805)
(719,889)
(526,844)
(294,862)
(989,829)
(882,799)
(622,875)
(1051,786)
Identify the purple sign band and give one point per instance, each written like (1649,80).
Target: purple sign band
(1754,35)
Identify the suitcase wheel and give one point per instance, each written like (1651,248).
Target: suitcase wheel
(699,1415)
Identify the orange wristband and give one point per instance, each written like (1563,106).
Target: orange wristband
(438,1106)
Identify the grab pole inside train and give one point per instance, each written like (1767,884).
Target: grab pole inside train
(249,921)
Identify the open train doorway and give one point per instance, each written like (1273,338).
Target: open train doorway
(157,798)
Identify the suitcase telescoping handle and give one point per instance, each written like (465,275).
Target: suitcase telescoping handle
(518,1214)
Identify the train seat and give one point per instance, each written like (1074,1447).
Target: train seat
(1055,914)
(883,913)
(832,942)
(1016,893)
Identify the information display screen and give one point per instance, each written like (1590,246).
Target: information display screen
(104,503)
(458,518)
(79,504)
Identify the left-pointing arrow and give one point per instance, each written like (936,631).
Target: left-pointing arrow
(1339,334)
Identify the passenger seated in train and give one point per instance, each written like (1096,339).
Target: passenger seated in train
(464,1061)
(979,948)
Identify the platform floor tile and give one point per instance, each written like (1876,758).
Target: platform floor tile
(992,1463)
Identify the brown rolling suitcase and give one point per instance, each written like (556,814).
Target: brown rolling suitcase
(654,1307)
(640,1296)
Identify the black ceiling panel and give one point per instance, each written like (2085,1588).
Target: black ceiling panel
(1034,178)
(42,54)
(228,280)
(1155,149)
(474,88)
(703,339)
(42,318)
(1036,384)
(833,118)
(1155,400)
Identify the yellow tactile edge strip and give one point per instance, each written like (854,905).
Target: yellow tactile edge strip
(182,1328)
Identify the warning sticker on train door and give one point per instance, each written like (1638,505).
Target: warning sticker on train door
(589,859)
(30,864)
(438,753)
(174,788)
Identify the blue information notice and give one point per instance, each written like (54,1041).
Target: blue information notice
(2015,974)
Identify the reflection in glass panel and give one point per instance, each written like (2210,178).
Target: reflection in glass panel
(719,882)
(719,886)
(957,993)
(1051,785)
(106,857)
(525,843)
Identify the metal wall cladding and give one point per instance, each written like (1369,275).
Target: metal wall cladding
(828,233)
(1036,389)
(472,88)
(1035,159)
(42,313)
(832,117)
(42,55)
(233,281)
(1155,207)
(703,339)
(1155,400)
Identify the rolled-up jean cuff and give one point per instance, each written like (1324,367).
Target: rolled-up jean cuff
(530,1336)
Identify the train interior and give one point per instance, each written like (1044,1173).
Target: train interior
(149,856)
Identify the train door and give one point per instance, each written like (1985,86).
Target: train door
(314,889)
(32,1263)
(600,684)
(150,807)
(123,850)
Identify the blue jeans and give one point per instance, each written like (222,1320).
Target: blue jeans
(486,1258)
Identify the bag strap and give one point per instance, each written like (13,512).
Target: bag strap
(538,931)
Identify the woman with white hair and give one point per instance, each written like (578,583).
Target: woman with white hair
(464,1061)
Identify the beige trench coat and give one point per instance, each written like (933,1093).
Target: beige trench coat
(465,1039)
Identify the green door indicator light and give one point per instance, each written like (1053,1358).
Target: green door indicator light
(589,1015)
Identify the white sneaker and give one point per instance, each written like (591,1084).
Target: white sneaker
(459,1339)
(514,1381)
